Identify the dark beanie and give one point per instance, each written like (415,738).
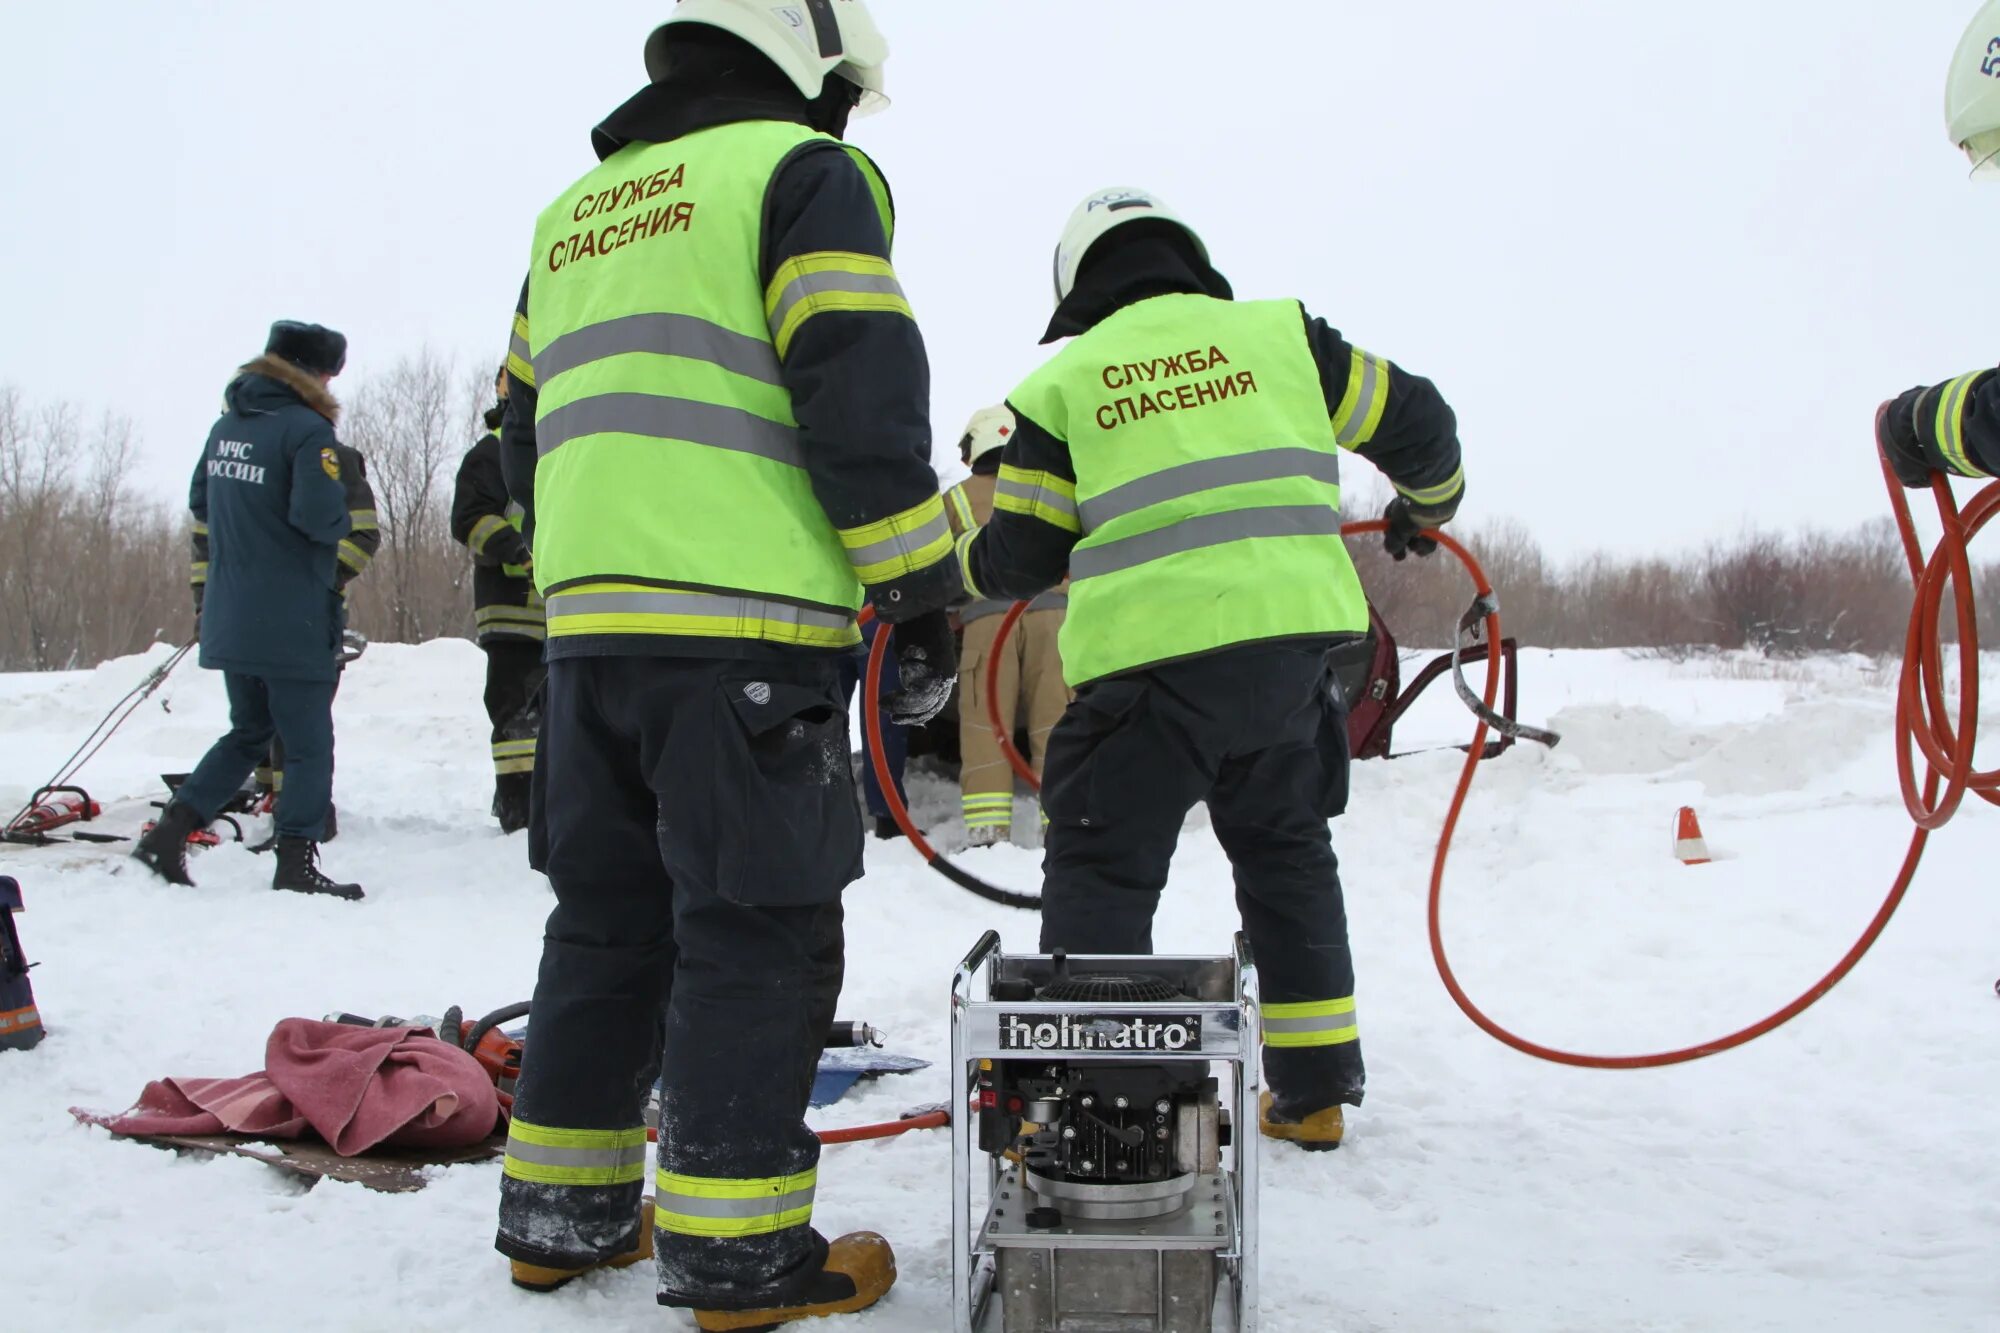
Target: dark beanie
(308,346)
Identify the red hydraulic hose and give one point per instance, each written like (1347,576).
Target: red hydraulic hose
(861,1133)
(1001,731)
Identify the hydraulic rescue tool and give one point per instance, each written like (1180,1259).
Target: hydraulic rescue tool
(20,1022)
(1118,1192)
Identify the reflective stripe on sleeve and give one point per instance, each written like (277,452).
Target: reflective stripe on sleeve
(514,757)
(353,556)
(1367,398)
(659,418)
(1314,1023)
(901,544)
(683,336)
(365,520)
(961,508)
(1201,531)
(1951,425)
(200,529)
(548,1156)
(484,531)
(715,1207)
(622,609)
(199,572)
(964,551)
(519,363)
(1435,495)
(1209,474)
(826,281)
(1036,494)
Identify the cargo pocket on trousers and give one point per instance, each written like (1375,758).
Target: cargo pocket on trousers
(790,825)
(1082,760)
(1334,756)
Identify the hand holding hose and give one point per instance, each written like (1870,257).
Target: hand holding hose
(927,665)
(1901,448)
(1407,533)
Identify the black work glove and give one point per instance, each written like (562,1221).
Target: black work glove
(1406,536)
(1900,447)
(927,659)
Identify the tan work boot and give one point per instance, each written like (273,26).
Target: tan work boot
(1318,1132)
(533,1277)
(860,1269)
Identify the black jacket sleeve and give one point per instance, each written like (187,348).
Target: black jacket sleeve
(855,363)
(1395,420)
(518,449)
(364,538)
(1952,427)
(479,509)
(1024,550)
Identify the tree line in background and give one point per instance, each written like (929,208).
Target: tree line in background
(90,568)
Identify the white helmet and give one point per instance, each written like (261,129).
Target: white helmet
(989,429)
(1972,93)
(1103,212)
(808,40)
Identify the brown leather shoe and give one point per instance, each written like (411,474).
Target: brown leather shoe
(533,1277)
(860,1269)
(1319,1132)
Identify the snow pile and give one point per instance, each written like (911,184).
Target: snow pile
(1838,1175)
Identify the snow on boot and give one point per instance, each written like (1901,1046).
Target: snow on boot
(989,835)
(860,1269)
(1319,1132)
(533,1277)
(164,849)
(298,871)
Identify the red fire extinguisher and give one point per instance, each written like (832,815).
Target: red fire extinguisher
(51,809)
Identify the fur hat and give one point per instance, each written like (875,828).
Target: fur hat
(308,346)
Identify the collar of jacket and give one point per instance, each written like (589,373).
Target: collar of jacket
(1133,271)
(306,388)
(663,112)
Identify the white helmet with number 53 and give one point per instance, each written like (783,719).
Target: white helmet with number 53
(807,39)
(1972,93)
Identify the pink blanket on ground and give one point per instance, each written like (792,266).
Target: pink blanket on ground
(356,1087)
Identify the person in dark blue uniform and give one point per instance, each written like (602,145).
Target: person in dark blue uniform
(269,492)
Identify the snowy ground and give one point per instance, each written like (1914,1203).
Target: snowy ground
(1842,1174)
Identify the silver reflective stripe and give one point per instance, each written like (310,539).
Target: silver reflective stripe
(1209,474)
(984,609)
(1364,404)
(670,419)
(710,605)
(1050,601)
(902,546)
(518,346)
(597,1159)
(1304,1026)
(1201,531)
(1034,495)
(824,284)
(663,335)
(769,1205)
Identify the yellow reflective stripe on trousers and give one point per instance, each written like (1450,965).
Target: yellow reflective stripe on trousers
(716,1207)
(1314,1023)
(825,281)
(609,608)
(901,544)
(1951,425)
(995,810)
(1037,494)
(1435,495)
(549,1156)
(519,364)
(1367,398)
(198,572)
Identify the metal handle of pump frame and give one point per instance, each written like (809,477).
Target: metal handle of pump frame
(1923,725)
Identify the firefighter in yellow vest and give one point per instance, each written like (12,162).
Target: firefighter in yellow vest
(718,424)
(1030,664)
(507,614)
(1179,459)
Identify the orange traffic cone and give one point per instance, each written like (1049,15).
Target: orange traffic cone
(1690,848)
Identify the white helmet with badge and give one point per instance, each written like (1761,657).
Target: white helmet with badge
(807,39)
(989,429)
(1102,213)
(1972,93)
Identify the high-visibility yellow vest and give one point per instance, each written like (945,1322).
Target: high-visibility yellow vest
(670,494)
(1207,493)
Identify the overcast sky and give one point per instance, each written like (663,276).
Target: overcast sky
(1663,259)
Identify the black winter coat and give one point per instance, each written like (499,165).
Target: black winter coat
(268,490)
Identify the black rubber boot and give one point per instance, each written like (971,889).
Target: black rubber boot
(298,872)
(164,850)
(270,844)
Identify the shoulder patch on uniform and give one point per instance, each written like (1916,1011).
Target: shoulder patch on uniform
(329,462)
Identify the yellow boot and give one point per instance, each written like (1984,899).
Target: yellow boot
(533,1277)
(860,1269)
(1318,1132)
